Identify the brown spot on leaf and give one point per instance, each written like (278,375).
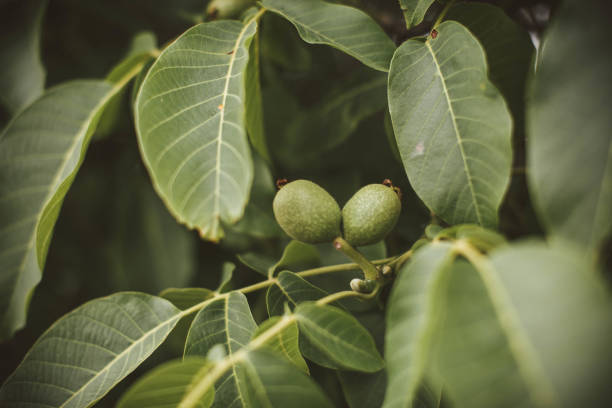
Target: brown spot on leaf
(220,106)
(433,34)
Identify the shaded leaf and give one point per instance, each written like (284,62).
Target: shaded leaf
(189,118)
(339,336)
(508,49)
(414,10)
(165,385)
(363,390)
(293,289)
(569,164)
(296,256)
(254,102)
(413,315)
(89,350)
(346,28)
(22,78)
(334,118)
(452,126)
(41,150)
(530,327)
(285,343)
(184,298)
(226,321)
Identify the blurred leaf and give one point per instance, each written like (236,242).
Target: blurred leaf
(483,239)
(85,353)
(293,289)
(346,28)
(184,298)
(413,315)
(226,321)
(254,102)
(339,336)
(414,10)
(391,137)
(40,152)
(530,327)
(282,45)
(226,277)
(142,51)
(508,49)
(148,250)
(296,257)
(452,125)
(22,78)
(166,385)
(197,153)
(285,343)
(570,127)
(258,221)
(363,390)
(332,120)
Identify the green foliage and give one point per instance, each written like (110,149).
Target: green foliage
(446,309)
(454,143)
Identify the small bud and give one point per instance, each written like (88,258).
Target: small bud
(386,270)
(356,285)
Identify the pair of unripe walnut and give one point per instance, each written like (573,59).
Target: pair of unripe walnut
(308,213)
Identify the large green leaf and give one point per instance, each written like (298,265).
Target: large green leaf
(570,127)
(88,351)
(339,336)
(285,343)
(452,126)
(413,315)
(508,48)
(292,289)
(346,28)
(22,78)
(414,10)
(165,386)
(41,150)
(190,122)
(226,321)
(530,327)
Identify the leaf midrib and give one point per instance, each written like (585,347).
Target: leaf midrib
(457,133)
(119,356)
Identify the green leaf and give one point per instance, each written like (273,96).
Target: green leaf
(530,327)
(22,78)
(293,289)
(254,102)
(278,384)
(413,315)
(285,343)
(569,164)
(338,115)
(41,150)
(227,321)
(452,126)
(339,336)
(414,11)
(88,351)
(190,123)
(296,256)
(226,277)
(165,385)
(346,28)
(184,298)
(508,48)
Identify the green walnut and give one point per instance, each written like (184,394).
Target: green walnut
(306,212)
(370,214)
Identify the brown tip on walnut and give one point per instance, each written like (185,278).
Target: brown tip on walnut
(388,183)
(280,183)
